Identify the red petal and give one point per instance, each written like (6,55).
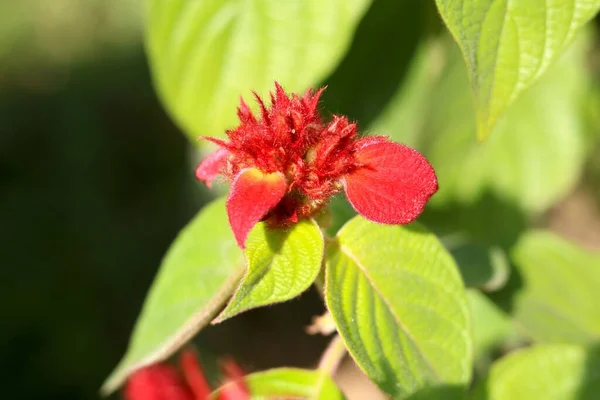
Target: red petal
(235,388)
(193,375)
(253,193)
(157,382)
(394,185)
(211,166)
(234,391)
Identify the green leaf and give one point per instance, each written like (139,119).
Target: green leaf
(380,69)
(491,326)
(290,382)
(281,265)
(445,392)
(539,151)
(197,276)
(549,372)
(398,301)
(340,212)
(508,45)
(405,115)
(205,54)
(557,289)
(482,267)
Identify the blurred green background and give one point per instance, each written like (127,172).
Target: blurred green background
(95,182)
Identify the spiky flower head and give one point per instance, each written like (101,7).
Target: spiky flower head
(285,163)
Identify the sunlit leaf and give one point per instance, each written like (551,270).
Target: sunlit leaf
(557,289)
(399,304)
(197,276)
(205,54)
(549,372)
(508,45)
(290,383)
(281,265)
(538,152)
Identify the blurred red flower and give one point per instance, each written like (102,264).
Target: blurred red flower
(164,382)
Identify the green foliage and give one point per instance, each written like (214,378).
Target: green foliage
(205,54)
(290,382)
(398,302)
(481,267)
(195,279)
(281,265)
(491,326)
(368,75)
(556,287)
(508,45)
(534,158)
(550,372)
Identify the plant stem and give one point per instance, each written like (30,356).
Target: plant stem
(320,283)
(332,356)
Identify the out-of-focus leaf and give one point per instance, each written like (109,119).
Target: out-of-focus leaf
(538,152)
(482,267)
(508,45)
(437,392)
(205,54)
(197,276)
(281,265)
(397,299)
(556,289)
(290,383)
(380,70)
(340,212)
(490,324)
(549,372)
(404,117)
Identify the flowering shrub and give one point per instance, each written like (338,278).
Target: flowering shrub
(474,299)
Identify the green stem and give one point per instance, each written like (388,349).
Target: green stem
(320,283)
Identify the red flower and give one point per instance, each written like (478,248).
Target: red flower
(164,382)
(286,163)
